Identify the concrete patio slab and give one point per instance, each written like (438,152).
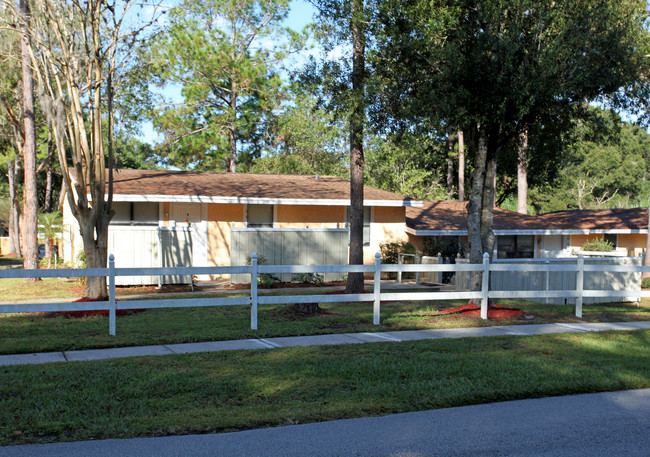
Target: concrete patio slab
(114,353)
(29,359)
(213,346)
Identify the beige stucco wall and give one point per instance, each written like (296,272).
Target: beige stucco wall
(416,241)
(388,224)
(4,245)
(633,243)
(221,217)
(577,241)
(72,244)
(306,216)
(166,214)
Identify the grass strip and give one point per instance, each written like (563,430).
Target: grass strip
(227,391)
(28,333)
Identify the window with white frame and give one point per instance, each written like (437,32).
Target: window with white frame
(611,238)
(259,216)
(367,215)
(516,247)
(135,213)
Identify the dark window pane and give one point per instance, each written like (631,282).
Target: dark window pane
(260,216)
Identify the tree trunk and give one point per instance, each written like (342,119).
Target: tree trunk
(461,166)
(13,171)
(450,167)
(49,174)
(49,249)
(522,173)
(96,255)
(357,121)
(309,309)
(646,261)
(489,194)
(475,205)
(30,225)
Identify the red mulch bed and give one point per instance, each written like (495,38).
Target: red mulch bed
(103,312)
(494,311)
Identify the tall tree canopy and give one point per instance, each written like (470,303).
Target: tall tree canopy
(605,164)
(304,139)
(225,56)
(495,67)
(345,78)
(78,52)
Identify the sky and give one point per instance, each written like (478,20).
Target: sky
(300,15)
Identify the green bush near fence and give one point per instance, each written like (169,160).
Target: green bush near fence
(598,245)
(389,251)
(263,279)
(447,246)
(390,254)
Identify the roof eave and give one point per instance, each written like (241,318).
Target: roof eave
(260,201)
(506,232)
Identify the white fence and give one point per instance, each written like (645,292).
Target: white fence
(376,269)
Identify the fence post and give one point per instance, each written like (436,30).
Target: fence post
(485,286)
(377,289)
(548,280)
(440,272)
(112,305)
(399,272)
(254,291)
(418,275)
(580,276)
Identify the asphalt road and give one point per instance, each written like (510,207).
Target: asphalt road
(605,424)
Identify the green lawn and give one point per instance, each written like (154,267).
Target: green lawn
(235,390)
(17,289)
(26,333)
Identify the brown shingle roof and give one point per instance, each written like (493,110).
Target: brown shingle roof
(597,219)
(452,215)
(242,186)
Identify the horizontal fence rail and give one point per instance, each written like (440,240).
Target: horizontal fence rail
(577,267)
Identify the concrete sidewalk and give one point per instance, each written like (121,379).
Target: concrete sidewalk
(333,339)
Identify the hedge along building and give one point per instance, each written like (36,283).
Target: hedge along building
(551,235)
(177,218)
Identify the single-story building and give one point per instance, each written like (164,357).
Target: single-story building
(550,235)
(179,218)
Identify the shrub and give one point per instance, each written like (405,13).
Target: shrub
(448,246)
(645,283)
(389,254)
(389,251)
(263,279)
(308,278)
(598,244)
